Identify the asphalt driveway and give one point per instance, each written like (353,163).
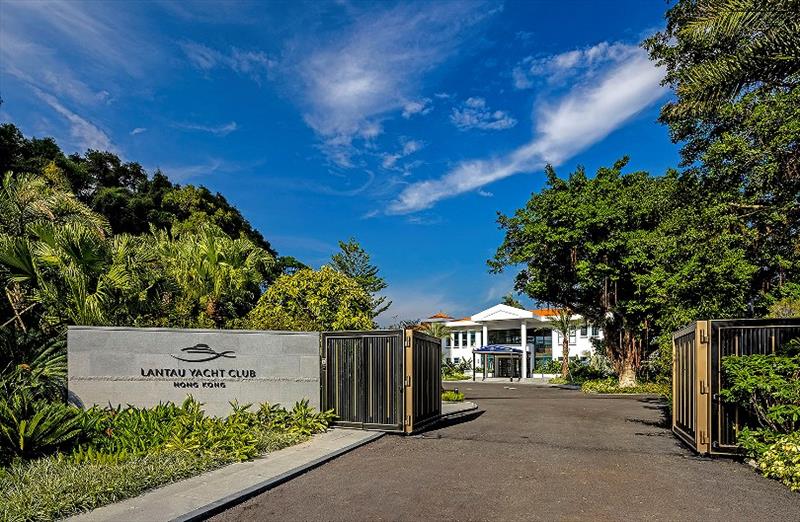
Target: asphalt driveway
(535,453)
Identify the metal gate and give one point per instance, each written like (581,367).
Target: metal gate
(362,378)
(388,380)
(699,416)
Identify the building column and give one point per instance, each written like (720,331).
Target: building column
(485,335)
(523,333)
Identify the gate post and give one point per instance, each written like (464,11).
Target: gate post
(408,380)
(702,399)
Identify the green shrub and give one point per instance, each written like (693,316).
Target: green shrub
(455,377)
(549,366)
(31,428)
(766,385)
(777,454)
(452,396)
(611,385)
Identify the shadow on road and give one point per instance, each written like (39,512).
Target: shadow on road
(445,423)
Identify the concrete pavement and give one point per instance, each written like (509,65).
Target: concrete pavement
(535,453)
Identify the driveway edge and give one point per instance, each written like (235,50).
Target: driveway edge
(227,501)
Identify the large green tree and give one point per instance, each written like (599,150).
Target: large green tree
(735,68)
(315,300)
(354,262)
(577,244)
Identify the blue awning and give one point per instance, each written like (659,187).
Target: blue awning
(499,349)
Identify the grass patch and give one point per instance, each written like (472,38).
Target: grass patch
(452,396)
(455,377)
(58,486)
(611,385)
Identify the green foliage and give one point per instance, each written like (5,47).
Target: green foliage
(510,300)
(30,427)
(438,330)
(579,243)
(105,454)
(777,454)
(611,385)
(548,366)
(735,67)
(59,486)
(313,300)
(768,386)
(354,262)
(129,199)
(452,396)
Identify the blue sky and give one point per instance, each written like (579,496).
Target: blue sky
(404,125)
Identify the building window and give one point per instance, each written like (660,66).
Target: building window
(511,336)
(456,359)
(584,330)
(448,360)
(472,338)
(572,335)
(595,331)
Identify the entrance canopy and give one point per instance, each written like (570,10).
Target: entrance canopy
(498,349)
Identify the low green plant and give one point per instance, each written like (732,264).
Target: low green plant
(552,366)
(30,428)
(452,396)
(611,385)
(455,377)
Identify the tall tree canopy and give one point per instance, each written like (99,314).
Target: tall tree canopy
(735,68)
(353,261)
(130,200)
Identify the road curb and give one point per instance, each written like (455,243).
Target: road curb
(228,501)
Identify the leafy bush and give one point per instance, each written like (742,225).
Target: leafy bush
(31,428)
(781,460)
(549,366)
(768,386)
(124,432)
(108,454)
(455,377)
(452,396)
(611,385)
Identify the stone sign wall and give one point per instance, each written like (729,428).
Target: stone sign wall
(145,366)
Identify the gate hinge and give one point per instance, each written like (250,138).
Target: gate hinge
(703,437)
(324,362)
(703,388)
(408,420)
(407,381)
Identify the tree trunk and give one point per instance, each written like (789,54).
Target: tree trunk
(624,349)
(629,357)
(565,356)
(627,376)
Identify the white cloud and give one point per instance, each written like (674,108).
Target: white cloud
(217,130)
(474,114)
(409,148)
(255,65)
(182,173)
(422,107)
(358,77)
(85,133)
(138,130)
(561,67)
(585,115)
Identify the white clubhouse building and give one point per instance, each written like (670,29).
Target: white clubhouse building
(494,339)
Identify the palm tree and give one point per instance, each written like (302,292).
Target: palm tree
(438,330)
(563,323)
(734,46)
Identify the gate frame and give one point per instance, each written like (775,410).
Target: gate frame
(707,382)
(409,419)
